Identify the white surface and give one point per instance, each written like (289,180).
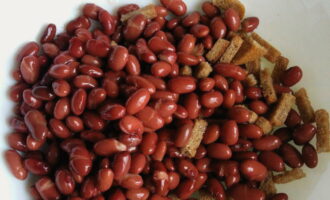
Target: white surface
(299,28)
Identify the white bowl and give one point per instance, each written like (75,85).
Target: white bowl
(299,28)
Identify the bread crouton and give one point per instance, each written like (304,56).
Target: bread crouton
(250,80)
(253,67)
(288,176)
(268,186)
(235,44)
(148,11)
(267,86)
(264,124)
(322,132)
(195,139)
(205,195)
(272,53)
(304,106)
(203,70)
(217,50)
(280,66)
(225,4)
(185,71)
(282,109)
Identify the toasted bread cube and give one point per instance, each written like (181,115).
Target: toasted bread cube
(253,67)
(235,44)
(322,132)
(281,65)
(250,50)
(203,70)
(185,71)
(113,43)
(217,50)
(205,195)
(198,50)
(264,124)
(268,185)
(272,53)
(250,80)
(225,4)
(267,86)
(289,176)
(282,109)
(304,106)
(148,11)
(195,139)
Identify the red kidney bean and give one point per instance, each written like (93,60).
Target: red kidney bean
(253,93)
(108,147)
(127,8)
(241,145)
(272,161)
(173,179)
(92,136)
(292,76)
(253,170)
(157,45)
(149,142)
(137,194)
(93,121)
(192,105)
(98,48)
(168,56)
(90,70)
(177,7)
(53,153)
(229,98)
(150,118)
(209,9)
(151,28)
(88,188)
(61,88)
(117,194)
(84,81)
(206,84)
(131,181)
(118,58)
(165,108)
(76,48)
(50,50)
(187,169)
(203,165)
(291,155)
(186,188)
(112,111)
(211,134)
(47,189)
(211,99)
(64,181)
(239,114)
(220,82)
(280,196)
(172,23)
(121,164)
(131,125)
(258,107)
(229,132)
(245,155)
(232,19)
(132,65)
(250,131)
(15,164)
(134,27)
(181,112)
(183,135)
(216,189)
(219,151)
(138,163)
(130,140)
(80,160)
(141,82)
(187,44)
(160,151)
(293,119)
(187,59)
(29,49)
(18,125)
(231,71)
(48,34)
(245,192)
(267,143)
(79,22)
(90,10)
(68,144)
(199,30)
(144,53)
(111,87)
(303,134)
(59,129)
(34,144)
(34,193)
(250,24)
(107,21)
(17,141)
(280,89)
(161,69)
(62,108)
(96,97)
(104,179)
(309,155)
(218,27)
(60,71)
(78,101)
(284,134)
(30,69)
(37,124)
(191,19)
(239,91)
(30,100)
(161,180)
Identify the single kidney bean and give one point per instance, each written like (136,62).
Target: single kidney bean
(107,21)
(161,69)
(18,125)
(131,125)
(80,160)
(209,9)
(118,58)
(133,66)
(245,192)
(93,121)
(76,48)
(29,49)
(96,97)
(186,188)
(229,132)
(126,9)
(47,189)
(203,165)
(24,108)
(161,180)
(30,69)
(232,19)
(253,93)
(272,161)
(64,181)
(303,134)
(150,118)
(152,28)
(165,108)
(280,196)
(111,87)
(48,34)
(161,11)
(220,82)
(258,107)
(191,19)
(183,135)
(88,188)
(60,71)
(211,99)
(61,88)
(104,179)
(97,48)
(239,91)
(30,100)
(216,189)
(218,28)
(177,7)
(160,151)
(206,84)
(229,98)
(138,163)
(280,89)
(245,155)
(250,131)
(187,59)
(219,151)
(112,111)
(182,84)
(173,179)
(253,170)
(121,165)
(59,129)
(168,56)
(92,136)
(78,101)
(293,119)
(284,134)
(79,22)
(90,70)
(250,24)
(187,44)
(108,147)
(15,163)
(239,114)
(149,142)
(134,27)
(50,50)
(192,105)
(130,140)
(157,45)
(181,112)
(292,76)
(141,82)
(84,81)
(91,10)
(267,143)
(68,144)
(137,194)
(143,52)
(172,23)
(211,134)
(231,71)
(291,155)
(200,30)
(62,108)
(241,145)
(37,124)
(34,144)
(186,168)
(169,164)
(131,181)
(17,141)
(309,155)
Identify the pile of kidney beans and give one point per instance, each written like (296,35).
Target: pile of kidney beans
(97,120)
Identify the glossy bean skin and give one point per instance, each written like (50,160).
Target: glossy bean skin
(192,104)
(160,151)
(150,119)
(161,69)
(267,143)
(80,160)
(183,135)
(211,99)
(250,24)
(216,189)
(253,170)
(211,134)
(232,19)
(30,69)
(229,132)
(104,179)
(309,155)
(149,143)
(137,194)
(291,155)
(244,192)
(138,163)
(219,151)
(280,196)
(62,108)
(258,107)
(132,181)
(121,164)
(15,164)
(292,76)
(47,189)
(187,43)
(187,169)
(272,161)
(231,70)
(78,101)
(218,28)
(37,124)
(118,58)
(293,119)
(250,131)
(134,27)
(177,7)
(109,147)
(64,181)
(17,141)
(303,134)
